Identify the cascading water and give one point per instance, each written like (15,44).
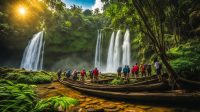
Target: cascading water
(126,49)
(117,51)
(97,62)
(110,53)
(33,54)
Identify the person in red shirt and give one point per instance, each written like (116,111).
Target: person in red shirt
(96,73)
(83,74)
(142,69)
(136,70)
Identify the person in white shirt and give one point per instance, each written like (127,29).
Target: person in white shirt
(158,70)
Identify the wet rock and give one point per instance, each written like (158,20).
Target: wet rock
(89,106)
(77,109)
(94,102)
(108,106)
(132,109)
(81,100)
(159,110)
(88,99)
(83,104)
(121,107)
(82,96)
(112,110)
(95,110)
(144,107)
(118,103)
(52,87)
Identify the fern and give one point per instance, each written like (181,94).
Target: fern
(16,97)
(52,104)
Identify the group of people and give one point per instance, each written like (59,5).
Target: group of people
(93,74)
(144,69)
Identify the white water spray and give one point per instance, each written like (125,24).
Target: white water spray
(117,51)
(97,62)
(126,49)
(33,54)
(110,53)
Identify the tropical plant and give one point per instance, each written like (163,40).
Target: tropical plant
(16,97)
(28,77)
(185,59)
(55,104)
(117,81)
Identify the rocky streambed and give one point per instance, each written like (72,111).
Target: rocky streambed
(95,104)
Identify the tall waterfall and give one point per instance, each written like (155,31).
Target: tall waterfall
(117,51)
(110,53)
(126,49)
(98,51)
(33,54)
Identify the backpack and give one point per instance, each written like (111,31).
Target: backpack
(160,66)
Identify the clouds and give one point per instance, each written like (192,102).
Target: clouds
(98,4)
(86,4)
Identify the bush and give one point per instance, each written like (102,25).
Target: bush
(16,97)
(185,59)
(23,98)
(117,81)
(55,104)
(28,77)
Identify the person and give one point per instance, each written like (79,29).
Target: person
(75,75)
(158,70)
(96,73)
(128,71)
(68,73)
(149,69)
(83,74)
(59,73)
(119,70)
(125,72)
(132,70)
(142,69)
(136,69)
(91,75)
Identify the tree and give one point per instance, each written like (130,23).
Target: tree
(96,11)
(87,12)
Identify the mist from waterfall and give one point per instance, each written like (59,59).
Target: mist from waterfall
(110,53)
(97,62)
(33,54)
(126,49)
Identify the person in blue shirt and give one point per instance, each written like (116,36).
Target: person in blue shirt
(119,70)
(68,73)
(125,71)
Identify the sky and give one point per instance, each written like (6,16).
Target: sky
(86,4)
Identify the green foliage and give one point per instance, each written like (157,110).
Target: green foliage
(117,81)
(23,98)
(28,77)
(16,97)
(55,104)
(185,58)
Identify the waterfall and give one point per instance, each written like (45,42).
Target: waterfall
(33,54)
(126,49)
(110,53)
(117,51)
(98,51)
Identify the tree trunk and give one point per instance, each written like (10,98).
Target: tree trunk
(172,74)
